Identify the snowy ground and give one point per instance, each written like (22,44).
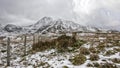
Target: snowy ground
(49,58)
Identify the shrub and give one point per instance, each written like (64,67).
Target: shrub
(41,46)
(3,51)
(78,43)
(65,67)
(43,65)
(104,60)
(107,65)
(110,52)
(62,44)
(78,59)
(101,46)
(94,50)
(96,64)
(89,65)
(109,46)
(94,57)
(84,51)
(115,60)
(117,49)
(116,43)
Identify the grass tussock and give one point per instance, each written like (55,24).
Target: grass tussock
(84,51)
(116,43)
(90,65)
(116,49)
(41,46)
(94,50)
(65,67)
(110,52)
(63,42)
(101,46)
(107,65)
(94,57)
(102,65)
(116,60)
(43,64)
(78,59)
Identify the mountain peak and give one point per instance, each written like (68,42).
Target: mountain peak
(44,20)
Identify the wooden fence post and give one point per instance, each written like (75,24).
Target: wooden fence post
(25,45)
(38,38)
(33,41)
(8,51)
(106,40)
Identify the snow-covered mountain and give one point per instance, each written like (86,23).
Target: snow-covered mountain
(49,25)
(41,25)
(63,26)
(12,28)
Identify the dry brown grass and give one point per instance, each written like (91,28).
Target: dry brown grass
(62,44)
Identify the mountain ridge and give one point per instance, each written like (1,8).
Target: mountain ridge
(49,25)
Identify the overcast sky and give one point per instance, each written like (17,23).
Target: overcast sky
(102,13)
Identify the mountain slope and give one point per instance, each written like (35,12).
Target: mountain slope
(64,26)
(47,24)
(41,24)
(12,28)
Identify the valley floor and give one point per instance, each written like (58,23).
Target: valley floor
(50,58)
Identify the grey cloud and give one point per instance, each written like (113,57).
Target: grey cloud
(101,13)
(34,10)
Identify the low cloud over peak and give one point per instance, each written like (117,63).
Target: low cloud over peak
(102,13)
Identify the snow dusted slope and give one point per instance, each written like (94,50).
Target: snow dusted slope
(64,26)
(93,29)
(60,25)
(41,24)
(47,24)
